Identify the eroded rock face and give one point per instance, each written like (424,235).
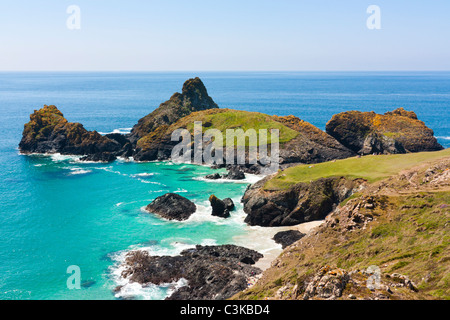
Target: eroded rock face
(49,132)
(212,272)
(300,203)
(312,145)
(151,128)
(398,131)
(172,206)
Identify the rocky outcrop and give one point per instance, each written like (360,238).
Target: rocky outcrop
(49,132)
(146,134)
(300,203)
(312,145)
(221,208)
(172,206)
(327,284)
(212,272)
(229,204)
(235,173)
(286,238)
(398,131)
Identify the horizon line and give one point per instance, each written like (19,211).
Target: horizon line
(206,71)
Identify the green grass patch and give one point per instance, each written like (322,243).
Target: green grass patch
(370,168)
(227,119)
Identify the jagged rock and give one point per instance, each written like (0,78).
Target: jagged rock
(312,145)
(234,173)
(300,203)
(213,176)
(99,157)
(219,208)
(327,284)
(398,131)
(172,206)
(147,132)
(286,238)
(49,132)
(404,280)
(212,272)
(229,204)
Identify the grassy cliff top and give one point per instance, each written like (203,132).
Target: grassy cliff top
(370,168)
(223,119)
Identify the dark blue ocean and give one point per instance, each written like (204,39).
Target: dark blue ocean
(56,212)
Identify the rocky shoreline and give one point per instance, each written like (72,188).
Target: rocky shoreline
(219,272)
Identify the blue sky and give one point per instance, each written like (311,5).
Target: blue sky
(200,35)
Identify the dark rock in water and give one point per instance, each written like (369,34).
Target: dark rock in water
(300,203)
(229,204)
(235,173)
(213,176)
(212,272)
(49,132)
(172,206)
(87,283)
(219,209)
(286,238)
(99,157)
(398,131)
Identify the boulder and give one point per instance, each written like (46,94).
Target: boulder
(229,204)
(219,209)
(286,238)
(213,176)
(172,206)
(234,173)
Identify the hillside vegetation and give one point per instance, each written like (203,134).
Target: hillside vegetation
(399,224)
(370,168)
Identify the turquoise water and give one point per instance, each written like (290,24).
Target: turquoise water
(56,212)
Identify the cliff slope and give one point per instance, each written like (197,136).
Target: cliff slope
(388,241)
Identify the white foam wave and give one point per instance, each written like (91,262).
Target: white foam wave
(144,174)
(81,171)
(443,138)
(119,130)
(249,179)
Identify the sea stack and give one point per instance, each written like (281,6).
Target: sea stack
(398,131)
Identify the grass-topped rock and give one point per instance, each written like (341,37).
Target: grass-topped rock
(398,131)
(300,142)
(194,97)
